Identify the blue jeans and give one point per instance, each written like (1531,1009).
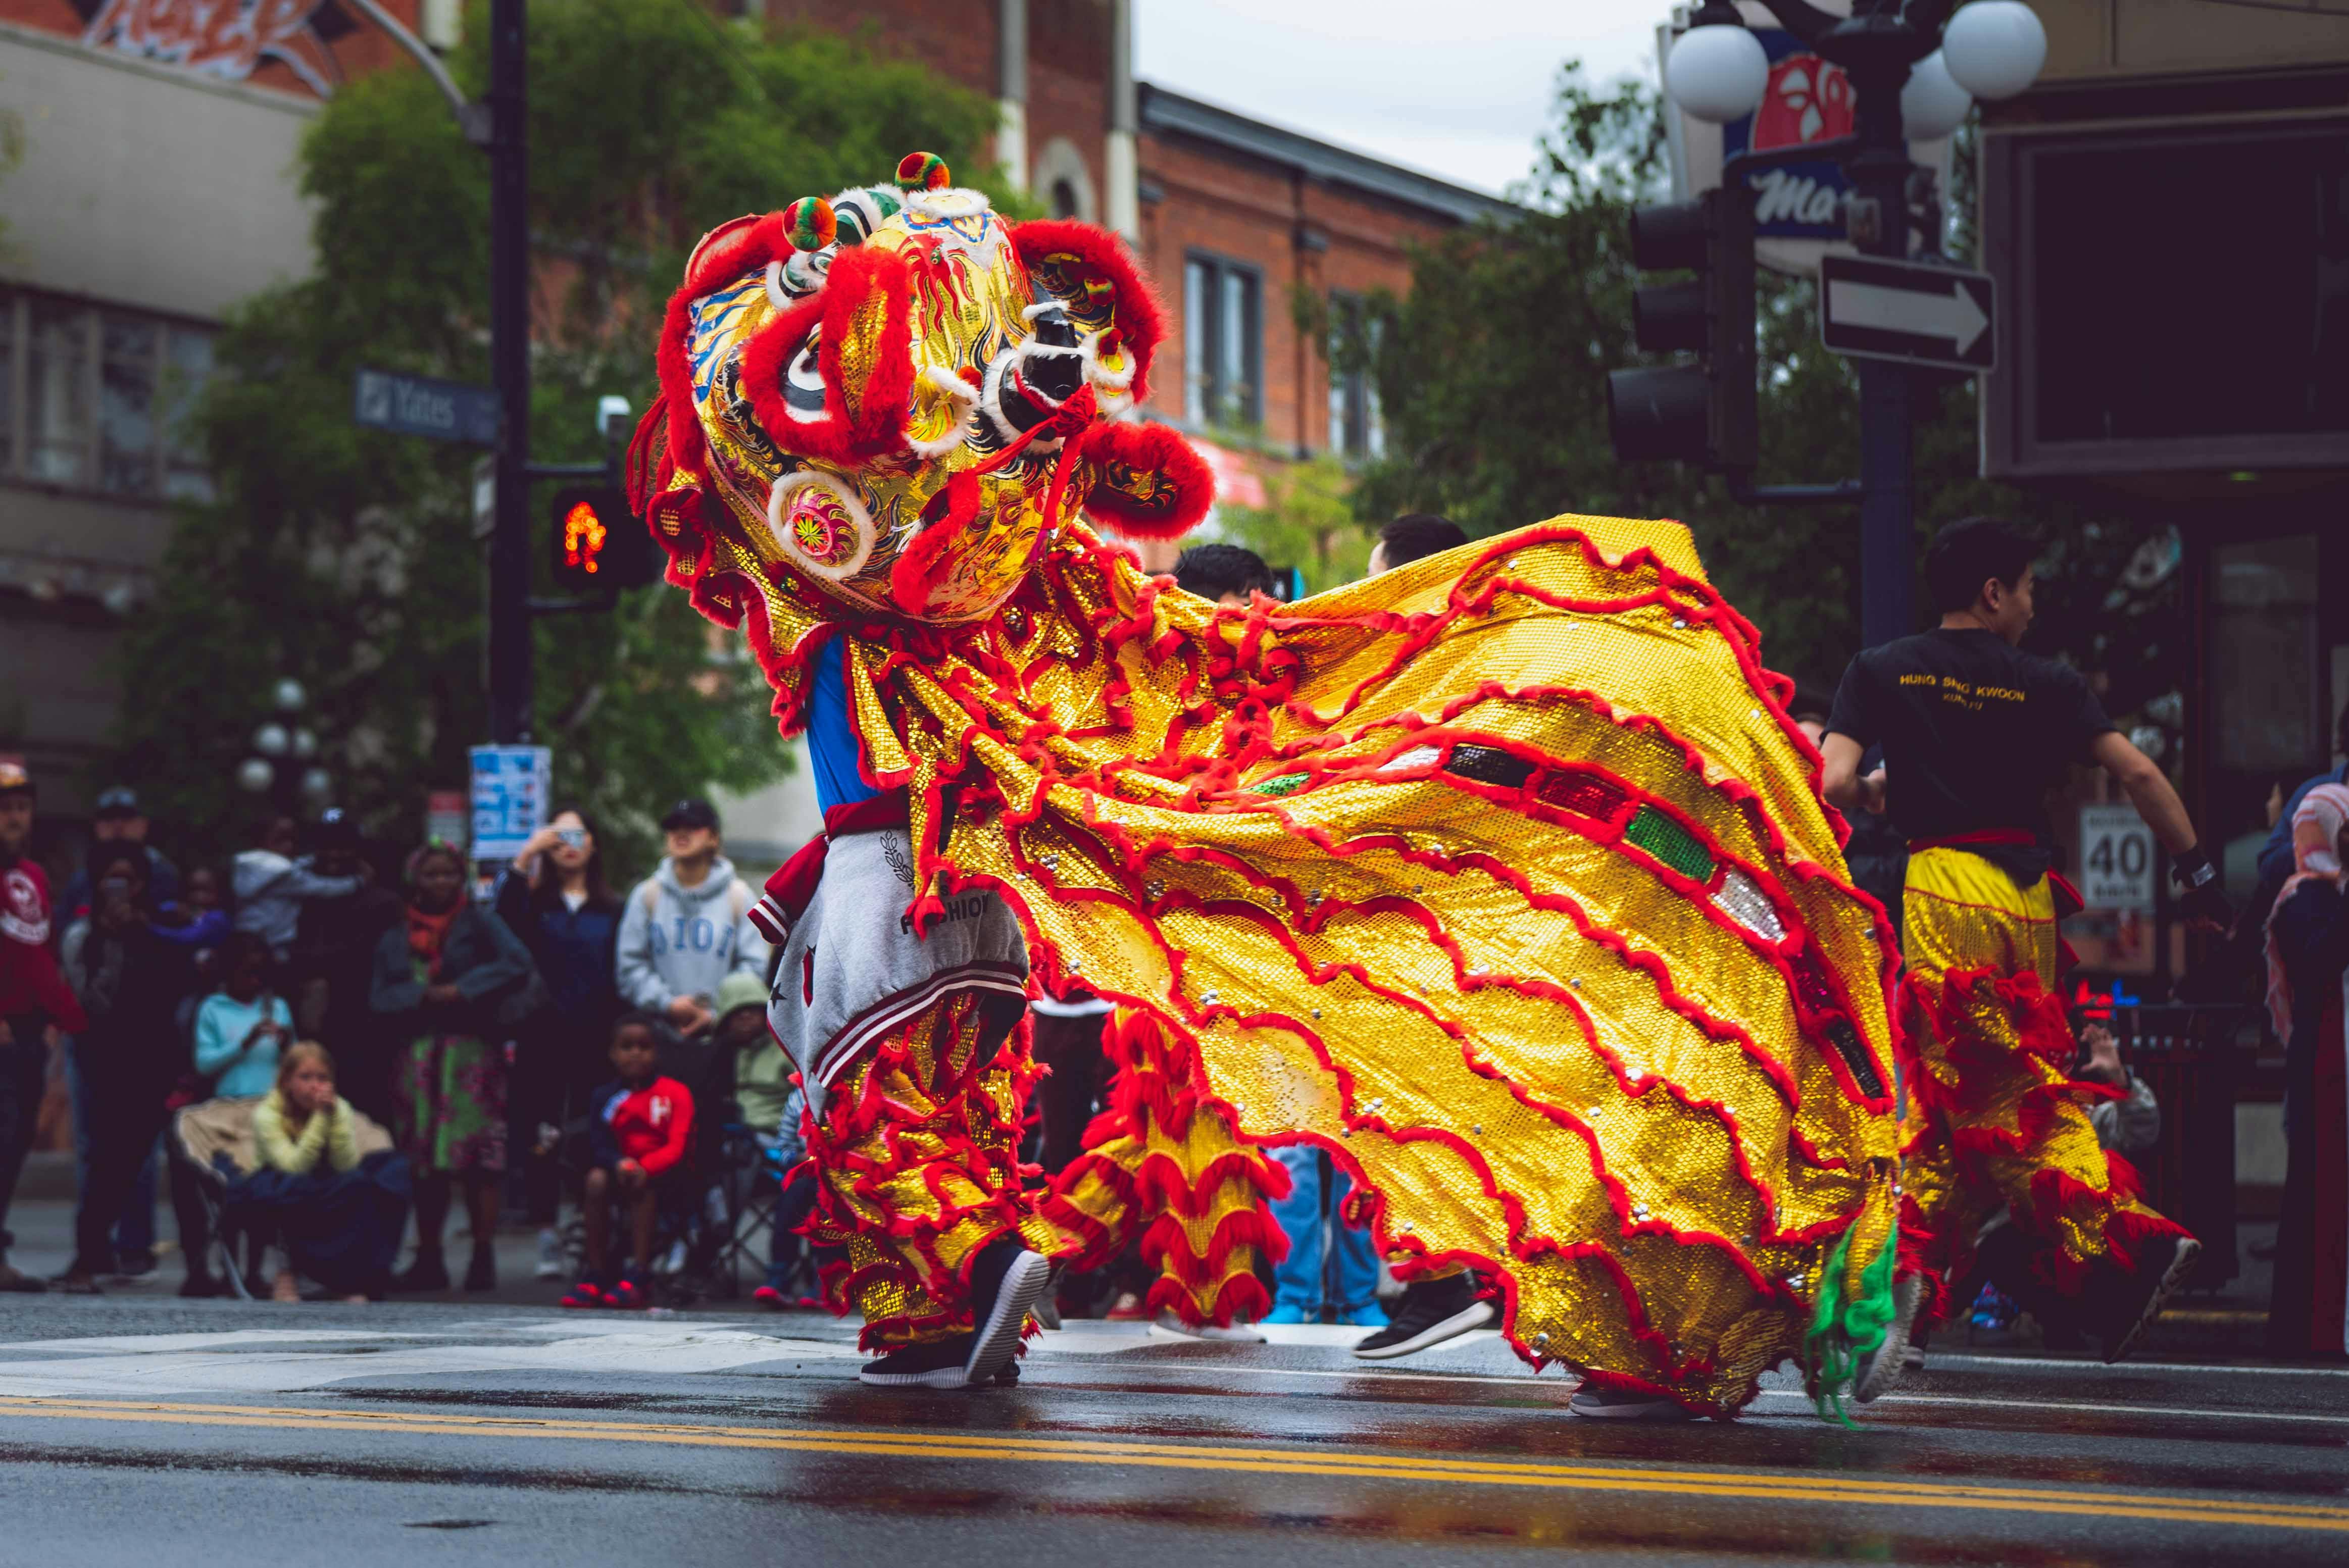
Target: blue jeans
(1298,1276)
(135,1231)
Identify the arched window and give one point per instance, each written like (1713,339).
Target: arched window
(1064,198)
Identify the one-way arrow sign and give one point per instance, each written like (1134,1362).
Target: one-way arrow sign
(1897,310)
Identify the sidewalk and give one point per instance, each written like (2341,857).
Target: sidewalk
(43,1230)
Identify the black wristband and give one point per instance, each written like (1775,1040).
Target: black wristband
(2192,868)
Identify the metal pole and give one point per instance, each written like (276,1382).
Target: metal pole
(509,628)
(1888,547)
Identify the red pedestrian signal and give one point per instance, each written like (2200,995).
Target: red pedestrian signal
(598,543)
(584,536)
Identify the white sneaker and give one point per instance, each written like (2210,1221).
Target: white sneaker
(1173,1327)
(550,1256)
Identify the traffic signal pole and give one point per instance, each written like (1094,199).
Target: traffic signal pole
(510,538)
(1878,59)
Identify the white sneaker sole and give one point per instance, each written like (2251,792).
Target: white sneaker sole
(1475,1314)
(998,1336)
(1237,1333)
(947,1376)
(1891,1358)
(2172,1279)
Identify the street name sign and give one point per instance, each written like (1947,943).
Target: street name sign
(1899,310)
(2116,859)
(420,406)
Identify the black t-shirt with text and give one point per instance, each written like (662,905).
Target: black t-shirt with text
(1974,732)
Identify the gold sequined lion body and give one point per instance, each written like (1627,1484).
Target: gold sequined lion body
(1503,877)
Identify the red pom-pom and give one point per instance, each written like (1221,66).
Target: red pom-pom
(923,171)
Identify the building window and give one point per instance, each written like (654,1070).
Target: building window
(1064,198)
(92,397)
(1223,344)
(1357,429)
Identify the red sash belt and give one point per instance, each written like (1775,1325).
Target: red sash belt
(791,888)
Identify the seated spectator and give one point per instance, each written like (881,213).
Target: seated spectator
(769,1104)
(1413,537)
(638,1127)
(243,1027)
(271,886)
(439,978)
(340,1216)
(1223,572)
(2131,1124)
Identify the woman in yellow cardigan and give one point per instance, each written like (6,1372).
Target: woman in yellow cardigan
(341,1214)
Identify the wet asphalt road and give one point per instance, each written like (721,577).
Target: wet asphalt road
(145,1431)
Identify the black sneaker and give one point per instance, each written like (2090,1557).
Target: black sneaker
(2130,1302)
(1432,1311)
(941,1364)
(483,1273)
(1005,1281)
(421,1277)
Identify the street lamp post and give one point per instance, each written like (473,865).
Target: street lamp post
(285,761)
(1904,67)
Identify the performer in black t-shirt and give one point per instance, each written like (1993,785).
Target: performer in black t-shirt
(1974,734)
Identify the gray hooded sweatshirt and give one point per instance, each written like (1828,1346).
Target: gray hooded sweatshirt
(681,942)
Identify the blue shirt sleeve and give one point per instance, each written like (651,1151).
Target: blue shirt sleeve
(832,746)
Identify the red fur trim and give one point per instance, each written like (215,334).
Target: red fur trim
(1139,318)
(860,422)
(1149,449)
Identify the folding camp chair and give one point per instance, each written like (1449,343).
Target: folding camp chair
(201,1135)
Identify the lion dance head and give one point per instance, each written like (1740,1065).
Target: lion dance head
(886,404)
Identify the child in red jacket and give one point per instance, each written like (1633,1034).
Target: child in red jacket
(639,1129)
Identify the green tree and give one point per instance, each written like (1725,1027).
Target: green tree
(345,557)
(1309,522)
(1493,374)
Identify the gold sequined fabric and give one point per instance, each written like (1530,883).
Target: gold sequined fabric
(1503,877)
(1994,1118)
(1163,1165)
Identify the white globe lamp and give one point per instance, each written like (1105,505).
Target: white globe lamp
(271,740)
(1717,72)
(254,775)
(290,695)
(1932,105)
(305,745)
(1994,48)
(317,784)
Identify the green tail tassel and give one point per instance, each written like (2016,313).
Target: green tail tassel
(1846,1328)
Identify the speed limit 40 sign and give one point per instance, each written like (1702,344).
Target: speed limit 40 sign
(2116,859)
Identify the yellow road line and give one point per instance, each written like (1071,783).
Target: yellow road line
(1770,1486)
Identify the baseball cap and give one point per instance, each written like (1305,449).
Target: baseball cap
(118,801)
(14,778)
(691,814)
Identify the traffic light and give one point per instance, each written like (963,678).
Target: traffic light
(598,543)
(1706,412)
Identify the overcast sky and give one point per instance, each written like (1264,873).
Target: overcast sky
(1459,89)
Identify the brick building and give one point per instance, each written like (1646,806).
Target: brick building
(180,118)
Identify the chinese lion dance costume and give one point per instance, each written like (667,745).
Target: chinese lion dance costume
(1503,878)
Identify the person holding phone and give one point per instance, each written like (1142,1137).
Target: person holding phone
(557,899)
